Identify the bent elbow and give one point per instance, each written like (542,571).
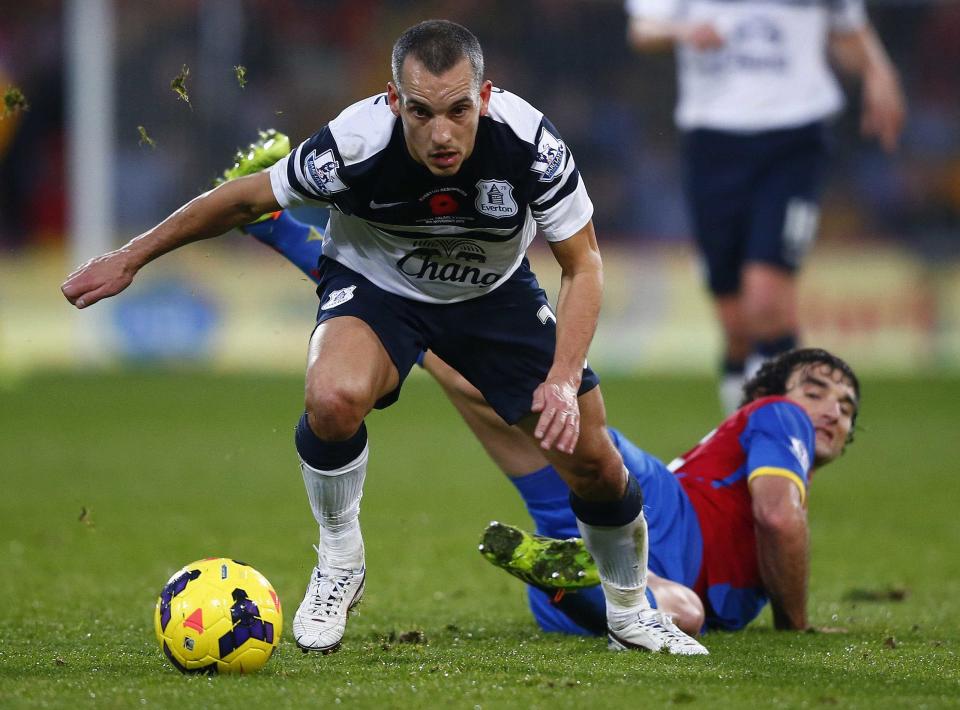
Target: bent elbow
(780,520)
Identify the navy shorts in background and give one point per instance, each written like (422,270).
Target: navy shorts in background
(503,343)
(754,197)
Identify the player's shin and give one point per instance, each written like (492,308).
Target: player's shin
(615,533)
(333,473)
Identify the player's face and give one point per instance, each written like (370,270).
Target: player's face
(440,114)
(829,400)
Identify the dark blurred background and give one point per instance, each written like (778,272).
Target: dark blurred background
(883,286)
(306,60)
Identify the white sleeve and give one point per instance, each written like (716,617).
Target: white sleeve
(567,217)
(654,9)
(847,15)
(283,189)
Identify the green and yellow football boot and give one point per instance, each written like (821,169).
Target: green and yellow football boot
(543,562)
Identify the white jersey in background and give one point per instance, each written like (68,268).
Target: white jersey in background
(773,70)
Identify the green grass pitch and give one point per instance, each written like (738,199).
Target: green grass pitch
(175,466)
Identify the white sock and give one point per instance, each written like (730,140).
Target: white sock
(731,391)
(335,500)
(753,363)
(621,557)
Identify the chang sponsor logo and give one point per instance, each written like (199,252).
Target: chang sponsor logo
(321,170)
(495,199)
(448,260)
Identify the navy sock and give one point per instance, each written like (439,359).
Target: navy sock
(328,455)
(610,513)
(732,367)
(768,349)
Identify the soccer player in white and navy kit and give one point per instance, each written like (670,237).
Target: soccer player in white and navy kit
(436,190)
(755,92)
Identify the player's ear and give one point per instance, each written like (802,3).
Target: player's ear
(393,98)
(486,88)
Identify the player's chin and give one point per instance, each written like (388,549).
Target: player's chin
(826,453)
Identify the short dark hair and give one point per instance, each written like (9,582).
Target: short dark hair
(440,45)
(773,375)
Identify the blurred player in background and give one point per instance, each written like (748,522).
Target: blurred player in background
(727,521)
(755,94)
(437,188)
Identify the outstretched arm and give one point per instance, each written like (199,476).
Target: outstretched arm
(783,548)
(653,35)
(232,204)
(861,54)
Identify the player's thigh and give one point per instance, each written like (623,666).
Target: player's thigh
(365,341)
(347,356)
(718,182)
(785,208)
(595,469)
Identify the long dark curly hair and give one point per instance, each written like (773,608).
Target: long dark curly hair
(772,377)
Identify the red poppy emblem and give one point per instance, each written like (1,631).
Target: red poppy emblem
(443,203)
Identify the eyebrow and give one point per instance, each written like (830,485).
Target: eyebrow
(416,103)
(809,379)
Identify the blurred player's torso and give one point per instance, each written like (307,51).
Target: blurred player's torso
(429,238)
(771,72)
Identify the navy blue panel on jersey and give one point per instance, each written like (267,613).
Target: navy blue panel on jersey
(754,197)
(503,342)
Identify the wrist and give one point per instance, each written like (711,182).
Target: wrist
(131,258)
(566,376)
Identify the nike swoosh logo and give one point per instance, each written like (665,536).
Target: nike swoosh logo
(383,205)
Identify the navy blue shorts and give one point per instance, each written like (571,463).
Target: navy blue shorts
(754,197)
(503,342)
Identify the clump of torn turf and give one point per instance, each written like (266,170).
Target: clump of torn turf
(888,594)
(144,138)
(13,101)
(179,85)
(241,72)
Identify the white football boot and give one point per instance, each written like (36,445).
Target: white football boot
(651,630)
(321,620)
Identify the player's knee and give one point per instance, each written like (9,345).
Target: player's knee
(690,614)
(680,602)
(335,413)
(597,475)
(765,315)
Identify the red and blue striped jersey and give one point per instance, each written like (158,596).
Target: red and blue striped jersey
(772,436)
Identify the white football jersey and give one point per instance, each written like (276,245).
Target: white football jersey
(773,69)
(428,238)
